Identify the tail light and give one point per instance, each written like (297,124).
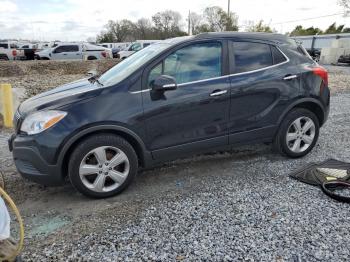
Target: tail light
(14,52)
(104,54)
(321,72)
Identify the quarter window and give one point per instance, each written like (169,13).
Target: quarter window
(251,56)
(192,63)
(277,56)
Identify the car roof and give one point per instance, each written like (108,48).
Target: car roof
(272,37)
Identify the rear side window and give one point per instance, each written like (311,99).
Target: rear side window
(67,48)
(251,56)
(71,48)
(277,56)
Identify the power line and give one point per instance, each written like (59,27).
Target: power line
(305,19)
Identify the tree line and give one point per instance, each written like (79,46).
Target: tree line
(169,23)
(332,29)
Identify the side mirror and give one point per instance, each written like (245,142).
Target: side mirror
(164,83)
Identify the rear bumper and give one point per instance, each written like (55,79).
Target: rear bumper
(31,165)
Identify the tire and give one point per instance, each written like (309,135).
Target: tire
(88,169)
(4,58)
(297,140)
(91,58)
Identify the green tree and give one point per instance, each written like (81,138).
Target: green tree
(167,24)
(260,27)
(218,20)
(334,29)
(118,31)
(105,37)
(143,29)
(300,31)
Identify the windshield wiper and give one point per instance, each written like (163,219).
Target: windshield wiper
(94,79)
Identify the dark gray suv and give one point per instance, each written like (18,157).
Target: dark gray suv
(176,98)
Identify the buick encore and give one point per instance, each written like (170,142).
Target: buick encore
(175,98)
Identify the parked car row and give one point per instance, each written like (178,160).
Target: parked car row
(68,51)
(74,51)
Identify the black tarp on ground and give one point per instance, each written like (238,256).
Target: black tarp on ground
(330,175)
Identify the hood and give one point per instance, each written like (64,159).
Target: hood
(57,97)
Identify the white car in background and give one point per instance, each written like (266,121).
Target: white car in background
(74,51)
(9,51)
(134,47)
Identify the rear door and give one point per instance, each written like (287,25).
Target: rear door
(73,52)
(193,117)
(263,80)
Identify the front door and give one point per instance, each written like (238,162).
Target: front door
(195,116)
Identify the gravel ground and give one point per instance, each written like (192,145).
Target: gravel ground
(219,207)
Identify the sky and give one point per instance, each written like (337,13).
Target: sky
(72,20)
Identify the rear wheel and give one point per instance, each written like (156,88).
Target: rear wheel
(102,166)
(297,134)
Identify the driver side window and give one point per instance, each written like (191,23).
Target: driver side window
(191,63)
(59,49)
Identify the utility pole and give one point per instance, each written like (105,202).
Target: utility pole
(189,22)
(228,15)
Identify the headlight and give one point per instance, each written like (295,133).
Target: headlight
(40,121)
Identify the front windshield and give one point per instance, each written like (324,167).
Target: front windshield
(128,66)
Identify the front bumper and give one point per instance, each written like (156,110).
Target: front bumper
(31,165)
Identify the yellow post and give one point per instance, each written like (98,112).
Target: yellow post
(7,104)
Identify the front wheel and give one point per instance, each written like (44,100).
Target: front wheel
(102,166)
(297,134)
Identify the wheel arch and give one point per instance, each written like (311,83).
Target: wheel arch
(311,104)
(92,57)
(4,57)
(135,141)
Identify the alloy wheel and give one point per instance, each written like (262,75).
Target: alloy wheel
(104,169)
(300,134)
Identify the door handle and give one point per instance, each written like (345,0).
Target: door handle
(289,77)
(218,92)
